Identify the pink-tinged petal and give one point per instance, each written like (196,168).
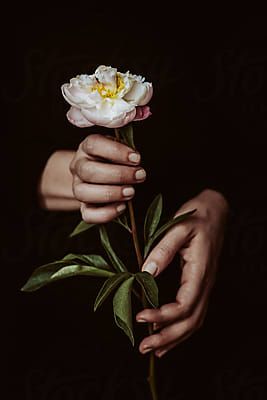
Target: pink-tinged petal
(75,116)
(122,120)
(149,93)
(111,113)
(142,112)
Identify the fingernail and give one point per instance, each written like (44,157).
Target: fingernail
(121,207)
(128,191)
(134,157)
(140,174)
(146,349)
(160,353)
(151,267)
(138,319)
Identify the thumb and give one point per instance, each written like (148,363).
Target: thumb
(163,253)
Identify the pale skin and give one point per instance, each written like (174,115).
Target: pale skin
(98,179)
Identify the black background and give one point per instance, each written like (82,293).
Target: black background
(208,129)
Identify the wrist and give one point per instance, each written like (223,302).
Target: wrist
(55,184)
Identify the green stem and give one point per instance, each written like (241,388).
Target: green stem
(151,374)
(134,234)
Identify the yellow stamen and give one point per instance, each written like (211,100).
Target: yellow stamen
(104,91)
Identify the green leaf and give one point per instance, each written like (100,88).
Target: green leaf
(114,259)
(76,270)
(81,227)
(88,259)
(122,307)
(126,133)
(152,217)
(108,287)
(165,227)
(149,287)
(42,275)
(58,270)
(122,220)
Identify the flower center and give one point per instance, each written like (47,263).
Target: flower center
(106,91)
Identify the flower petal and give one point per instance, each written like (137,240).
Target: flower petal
(111,113)
(107,76)
(142,112)
(76,96)
(122,120)
(75,116)
(140,93)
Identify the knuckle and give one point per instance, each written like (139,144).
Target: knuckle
(164,250)
(185,309)
(90,142)
(183,229)
(72,166)
(188,325)
(160,316)
(86,216)
(108,195)
(79,167)
(86,170)
(119,175)
(117,147)
(78,192)
(105,217)
(159,339)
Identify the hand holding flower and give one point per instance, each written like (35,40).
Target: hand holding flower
(103,187)
(105,169)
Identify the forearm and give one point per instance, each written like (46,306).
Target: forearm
(55,185)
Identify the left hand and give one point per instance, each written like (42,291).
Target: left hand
(198,240)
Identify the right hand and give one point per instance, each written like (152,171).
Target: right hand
(103,177)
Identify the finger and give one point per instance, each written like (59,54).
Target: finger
(162,254)
(178,331)
(101,215)
(164,349)
(195,270)
(100,172)
(187,296)
(104,147)
(163,315)
(192,286)
(166,336)
(90,193)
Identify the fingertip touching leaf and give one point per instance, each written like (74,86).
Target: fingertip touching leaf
(149,287)
(122,307)
(172,222)
(81,227)
(165,227)
(108,287)
(153,217)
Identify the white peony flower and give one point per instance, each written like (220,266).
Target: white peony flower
(107,98)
